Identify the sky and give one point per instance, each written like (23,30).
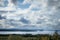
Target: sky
(30,14)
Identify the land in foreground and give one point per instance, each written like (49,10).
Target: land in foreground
(55,36)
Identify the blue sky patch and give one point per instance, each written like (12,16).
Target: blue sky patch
(4,4)
(20,1)
(35,9)
(23,6)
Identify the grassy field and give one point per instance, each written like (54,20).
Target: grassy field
(29,37)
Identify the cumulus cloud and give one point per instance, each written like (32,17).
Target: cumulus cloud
(41,13)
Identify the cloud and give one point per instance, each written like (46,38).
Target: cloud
(23,20)
(1,17)
(41,13)
(26,1)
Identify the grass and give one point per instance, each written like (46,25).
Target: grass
(27,37)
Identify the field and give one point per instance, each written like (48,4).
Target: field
(29,37)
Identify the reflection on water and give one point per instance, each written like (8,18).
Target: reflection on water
(21,32)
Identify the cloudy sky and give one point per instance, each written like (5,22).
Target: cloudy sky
(30,14)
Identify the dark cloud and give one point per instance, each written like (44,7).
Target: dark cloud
(17,1)
(2,17)
(23,20)
(3,11)
(14,2)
